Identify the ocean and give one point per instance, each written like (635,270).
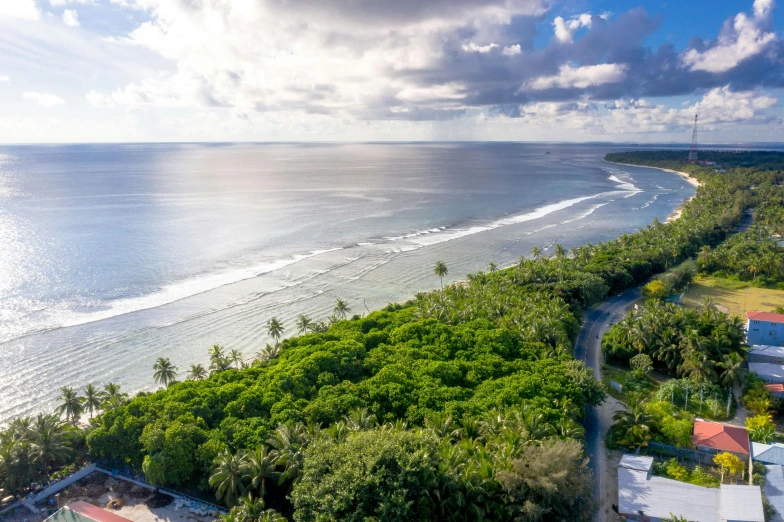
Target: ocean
(115,255)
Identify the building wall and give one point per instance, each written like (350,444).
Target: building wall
(764,332)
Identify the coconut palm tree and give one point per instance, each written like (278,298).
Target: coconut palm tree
(360,419)
(197,373)
(275,329)
(560,251)
(341,309)
(113,397)
(441,270)
(303,324)
(216,352)
(258,466)
(49,443)
(227,478)
(492,267)
(634,425)
(289,442)
(70,405)
(93,398)
(732,375)
(536,252)
(165,371)
(235,356)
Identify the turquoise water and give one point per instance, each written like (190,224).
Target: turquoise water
(114,255)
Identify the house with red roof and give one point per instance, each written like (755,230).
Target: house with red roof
(764,328)
(716,438)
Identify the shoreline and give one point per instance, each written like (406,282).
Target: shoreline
(675,214)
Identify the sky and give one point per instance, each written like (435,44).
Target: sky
(383,70)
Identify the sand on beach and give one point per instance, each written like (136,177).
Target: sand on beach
(676,214)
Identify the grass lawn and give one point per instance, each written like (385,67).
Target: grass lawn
(732,297)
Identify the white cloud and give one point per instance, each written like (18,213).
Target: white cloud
(450,91)
(743,39)
(97,99)
(70,18)
(581,77)
(565,29)
(471,47)
(512,50)
(5,79)
(43,99)
(24,9)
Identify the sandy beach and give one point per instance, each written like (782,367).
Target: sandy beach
(689,179)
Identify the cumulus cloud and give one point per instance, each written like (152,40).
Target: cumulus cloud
(71,18)
(413,60)
(5,79)
(564,29)
(24,9)
(744,38)
(471,47)
(581,77)
(43,99)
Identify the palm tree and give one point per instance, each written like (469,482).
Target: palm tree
(227,478)
(289,441)
(275,329)
(216,352)
(71,404)
(634,424)
(235,356)
(165,371)
(93,398)
(113,397)
(197,372)
(560,251)
(303,323)
(341,309)
(732,375)
(360,419)
(492,267)
(258,466)
(49,442)
(536,252)
(441,270)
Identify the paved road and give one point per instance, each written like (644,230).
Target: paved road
(598,420)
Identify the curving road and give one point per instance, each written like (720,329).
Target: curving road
(598,420)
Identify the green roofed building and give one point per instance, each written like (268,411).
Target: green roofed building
(84,512)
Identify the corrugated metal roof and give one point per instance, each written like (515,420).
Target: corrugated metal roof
(768,350)
(661,498)
(768,453)
(774,490)
(768,372)
(638,462)
(741,503)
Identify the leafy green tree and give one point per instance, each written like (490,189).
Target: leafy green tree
(641,364)
(655,290)
(761,428)
(730,464)
(441,270)
(372,475)
(165,371)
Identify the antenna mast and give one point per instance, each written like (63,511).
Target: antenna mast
(693,150)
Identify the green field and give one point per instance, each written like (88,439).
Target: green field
(732,297)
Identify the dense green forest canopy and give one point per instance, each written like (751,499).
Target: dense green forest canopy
(476,381)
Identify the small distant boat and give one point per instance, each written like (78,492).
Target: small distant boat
(548,152)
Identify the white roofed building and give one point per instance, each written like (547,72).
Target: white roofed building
(644,497)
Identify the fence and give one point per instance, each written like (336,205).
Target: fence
(137,480)
(60,485)
(701,457)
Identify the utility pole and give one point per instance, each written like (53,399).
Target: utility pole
(693,150)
